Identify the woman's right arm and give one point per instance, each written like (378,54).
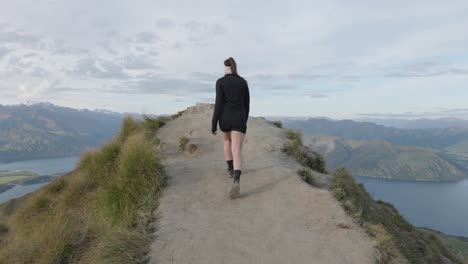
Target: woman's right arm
(247,101)
(218,106)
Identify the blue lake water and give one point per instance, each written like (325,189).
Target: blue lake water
(440,206)
(41,167)
(18,191)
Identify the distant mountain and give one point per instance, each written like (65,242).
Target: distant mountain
(351,130)
(422,123)
(44,130)
(385,160)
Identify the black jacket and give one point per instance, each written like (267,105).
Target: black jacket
(232,97)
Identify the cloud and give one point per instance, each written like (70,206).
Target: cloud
(28,91)
(138,62)
(97,68)
(454,112)
(165,23)
(427,69)
(313,95)
(146,37)
(4,51)
(161,85)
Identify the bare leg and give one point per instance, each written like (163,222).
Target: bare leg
(227,146)
(237,141)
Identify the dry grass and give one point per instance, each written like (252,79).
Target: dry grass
(301,153)
(396,239)
(102,212)
(183,141)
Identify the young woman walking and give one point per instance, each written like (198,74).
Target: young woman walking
(232,111)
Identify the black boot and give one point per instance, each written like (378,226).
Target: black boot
(230,169)
(235,189)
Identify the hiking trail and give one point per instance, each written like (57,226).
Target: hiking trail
(279,218)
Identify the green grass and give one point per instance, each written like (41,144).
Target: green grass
(456,245)
(102,212)
(7,179)
(392,234)
(183,141)
(277,124)
(308,176)
(306,157)
(395,238)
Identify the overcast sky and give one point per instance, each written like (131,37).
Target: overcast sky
(301,58)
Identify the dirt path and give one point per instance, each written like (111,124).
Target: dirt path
(278,219)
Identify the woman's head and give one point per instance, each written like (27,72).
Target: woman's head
(230,62)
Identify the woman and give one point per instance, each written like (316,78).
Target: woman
(232,111)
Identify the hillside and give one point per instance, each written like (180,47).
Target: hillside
(385,160)
(417,123)
(44,130)
(105,210)
(437,138)
(100,213)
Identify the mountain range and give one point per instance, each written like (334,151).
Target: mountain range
(368,149)
(44,130)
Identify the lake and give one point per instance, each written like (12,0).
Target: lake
(440,206)
(41,167)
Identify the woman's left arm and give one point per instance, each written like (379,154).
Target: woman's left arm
(218,106)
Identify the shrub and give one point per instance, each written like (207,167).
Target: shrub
(382,221)
(303,154)
(277,123)
(183,141)
(57,185)
(307,176)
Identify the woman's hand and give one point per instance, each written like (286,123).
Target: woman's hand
(214,132)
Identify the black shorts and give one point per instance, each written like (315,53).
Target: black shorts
(233,121)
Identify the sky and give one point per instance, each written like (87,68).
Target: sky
(341,59)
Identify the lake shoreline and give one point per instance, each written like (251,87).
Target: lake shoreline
(439,206)
(412,180)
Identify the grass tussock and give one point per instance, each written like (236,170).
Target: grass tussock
(185,145)
(277,123)
(306,157)
(308,176)
(183,141)
(102,212)
(392,234)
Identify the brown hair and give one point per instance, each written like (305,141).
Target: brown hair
(231,63)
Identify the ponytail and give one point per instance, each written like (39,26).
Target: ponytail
(230,62)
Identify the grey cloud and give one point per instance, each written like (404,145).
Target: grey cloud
(312,95)
(162,85)
(350,78)
(146,37)
(192,25)
(203,76)
(426,69)
(165,23)
(97,68)
(218,29)
(19,37)
(300,76)
(61,48)
(139,62)
(4,51)
(30,55)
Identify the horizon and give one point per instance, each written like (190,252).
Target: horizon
(336,59)
(356,119)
